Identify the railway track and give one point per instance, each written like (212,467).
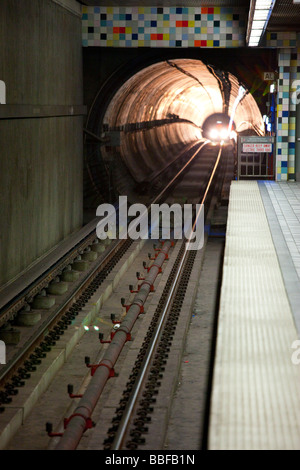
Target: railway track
(72,311)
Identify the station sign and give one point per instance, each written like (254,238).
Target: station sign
(269,76)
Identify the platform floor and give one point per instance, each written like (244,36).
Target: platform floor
(256,382)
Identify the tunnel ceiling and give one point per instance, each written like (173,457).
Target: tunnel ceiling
(160,111)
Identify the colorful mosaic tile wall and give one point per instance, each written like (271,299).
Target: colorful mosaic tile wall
(289,73)
(281,39)
(163,27)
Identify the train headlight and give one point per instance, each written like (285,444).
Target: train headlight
(214,134)
(224,134)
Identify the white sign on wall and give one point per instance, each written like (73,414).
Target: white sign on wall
(257,148)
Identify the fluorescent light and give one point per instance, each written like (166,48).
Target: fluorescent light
(254,38)
(263,4)
(258,24)
(256,33)
(260,15)
(253,41)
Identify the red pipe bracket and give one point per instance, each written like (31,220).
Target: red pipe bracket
(94,367)
(88,422)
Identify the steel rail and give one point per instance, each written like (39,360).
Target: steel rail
(15,295)
(11,303)
(37,335)
(81,418)
(33,340)
(117,443)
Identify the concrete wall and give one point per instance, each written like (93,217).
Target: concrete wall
(40,158)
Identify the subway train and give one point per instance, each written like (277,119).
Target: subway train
(217,128)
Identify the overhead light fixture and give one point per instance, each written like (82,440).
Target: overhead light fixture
(259,15)
(256,33)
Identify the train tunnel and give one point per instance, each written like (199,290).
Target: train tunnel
(159,113)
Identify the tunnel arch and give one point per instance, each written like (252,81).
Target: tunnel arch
(159,111)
